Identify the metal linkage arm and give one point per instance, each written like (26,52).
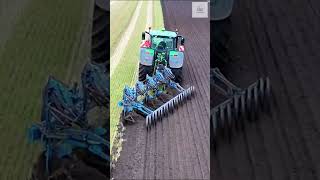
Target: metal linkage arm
(222,84)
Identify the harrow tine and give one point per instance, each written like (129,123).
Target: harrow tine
(261,90)
(147,121)
(213,127)
(236,106)
(255,102)
(243,106)
(267,89)
(229,117)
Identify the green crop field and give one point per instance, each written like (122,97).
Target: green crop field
(120,15)
(125,73)
(42,42)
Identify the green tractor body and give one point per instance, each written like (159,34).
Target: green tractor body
(161,47)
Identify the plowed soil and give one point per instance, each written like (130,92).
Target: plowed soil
(279,39)
(178,147)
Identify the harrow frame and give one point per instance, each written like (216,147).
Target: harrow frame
(241,103)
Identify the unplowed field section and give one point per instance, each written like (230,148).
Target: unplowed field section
(279,39)
(178,147)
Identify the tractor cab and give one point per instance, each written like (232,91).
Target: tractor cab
(162,40)
(161,47)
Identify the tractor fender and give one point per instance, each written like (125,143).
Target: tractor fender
(146,56)
(176,59)
(103,4)
(220,9)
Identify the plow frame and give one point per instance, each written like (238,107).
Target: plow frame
(157,84)
(64,124)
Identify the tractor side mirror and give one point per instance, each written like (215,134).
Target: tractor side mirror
(143,36)
(182,41)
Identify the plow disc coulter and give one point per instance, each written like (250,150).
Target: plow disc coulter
(64,126)
(241,103)
(159,87)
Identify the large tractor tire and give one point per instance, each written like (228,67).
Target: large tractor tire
(178,74)
(143,71)
(100,34)
(221,42)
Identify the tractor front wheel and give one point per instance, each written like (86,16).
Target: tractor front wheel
(143,71)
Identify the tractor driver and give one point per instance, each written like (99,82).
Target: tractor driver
(162,44)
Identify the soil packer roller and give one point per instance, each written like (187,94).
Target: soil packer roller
(239,103)
(157,91)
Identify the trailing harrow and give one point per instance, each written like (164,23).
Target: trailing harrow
(138,99)
(241,103)
(64,126)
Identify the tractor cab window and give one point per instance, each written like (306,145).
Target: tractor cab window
(162,43)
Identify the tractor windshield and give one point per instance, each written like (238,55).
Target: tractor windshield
(162,43)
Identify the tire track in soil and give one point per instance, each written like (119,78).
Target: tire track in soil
(281,43)
(178,147)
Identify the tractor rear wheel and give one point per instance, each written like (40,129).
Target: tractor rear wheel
(178,74)
(143,71)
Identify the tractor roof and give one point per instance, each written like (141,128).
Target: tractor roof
(171,34)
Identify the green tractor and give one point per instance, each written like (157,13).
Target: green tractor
(161,47)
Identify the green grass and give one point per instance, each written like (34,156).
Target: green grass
(120,16)
(125,74)
(157,15)
(41,44)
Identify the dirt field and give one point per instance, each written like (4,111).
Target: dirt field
(279,39)
(178,148)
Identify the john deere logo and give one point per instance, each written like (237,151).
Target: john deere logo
(199,9)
